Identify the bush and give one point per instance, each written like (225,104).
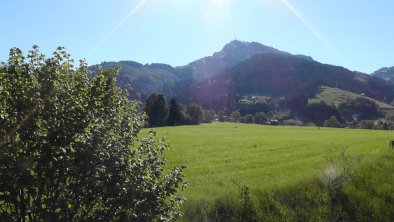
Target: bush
(293,122)
(249,118)
(367,124)
(390,116)
(319,112)
(331,122)
(69,148)
(196,113)
(209,116)
(260,118)
(235,116)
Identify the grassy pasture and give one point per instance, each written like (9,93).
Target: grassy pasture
(222,156)
(336,96)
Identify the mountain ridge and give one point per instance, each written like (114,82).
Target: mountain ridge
(278,75)
(231,54)
(247,68)
(386,73)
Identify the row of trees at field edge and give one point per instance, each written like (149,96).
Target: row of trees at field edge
(173,114)
(294,110)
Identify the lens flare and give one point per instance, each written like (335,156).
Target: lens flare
(118,26)
(312,29)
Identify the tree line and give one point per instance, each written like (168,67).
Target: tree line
(289,110)
(295,109)
(159,113)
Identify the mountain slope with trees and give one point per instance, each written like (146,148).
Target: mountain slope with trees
(144,79)
(231,55)
(276,75)
(157,77)
(242,69)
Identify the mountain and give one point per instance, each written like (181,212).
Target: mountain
(232,54)
(157,77)
(386,73)
(242,69)
(278,74)
(145,79)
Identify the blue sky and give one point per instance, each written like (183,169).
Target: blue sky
(357,34)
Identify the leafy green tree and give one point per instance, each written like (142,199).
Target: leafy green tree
(249,118)
(296,103)
(331,122)
(359,109)
(270,115)
(260,118)
(256,107)
(196,113)
(382,125)
(185,118)
(390,116)
(174,114)
(209,115)
(235,116)
(156,109)
(320,111)
(367,124)
(69,148)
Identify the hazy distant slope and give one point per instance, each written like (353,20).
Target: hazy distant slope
(279,75)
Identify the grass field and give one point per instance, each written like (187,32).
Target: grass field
(222,156)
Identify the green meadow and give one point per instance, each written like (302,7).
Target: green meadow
(337,96)
(221,158)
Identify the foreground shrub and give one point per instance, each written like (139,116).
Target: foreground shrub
(69,148)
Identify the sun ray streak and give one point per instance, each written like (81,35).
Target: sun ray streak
(312,29)
(121,23)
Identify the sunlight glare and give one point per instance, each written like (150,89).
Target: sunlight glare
(216,12)
(312,29)
(218,1)
(120,24)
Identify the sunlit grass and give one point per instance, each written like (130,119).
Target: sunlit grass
(336,96)
(222,156)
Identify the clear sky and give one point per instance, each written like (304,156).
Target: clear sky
(357,34)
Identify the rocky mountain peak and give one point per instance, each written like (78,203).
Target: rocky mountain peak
(386,73)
